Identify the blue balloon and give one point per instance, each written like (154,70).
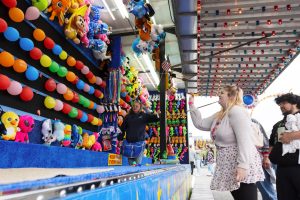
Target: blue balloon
(123,94)
(95,106)
(92,90)
(80,85)
(84,117)
(26,44)
(248,99)
(57,49)
(32,73)
(11,34)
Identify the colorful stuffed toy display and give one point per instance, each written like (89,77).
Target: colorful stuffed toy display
(26,125)
(10,120)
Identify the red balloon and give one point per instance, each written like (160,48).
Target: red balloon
(50,85)
(35,53)
(97,93)
(66,109)
(26,94)
(103,84)
(89,75)
(49,43)
(4,82)
(90,118)
(3,25)
(80,113)
(75,98)
(79,65)
(127,98)
(10,3)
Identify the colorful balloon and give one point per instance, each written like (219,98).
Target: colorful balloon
(100,109)
(54,67)
(95,121)
(49,102)
(39,35)
(57,49)
(98,80)
(69,95)
(3,25)
(26,94)
(4,82)
(86,88)
(20,66)
(10,3)
(62,71)
(93,80)
(80,85)
(32,73)
(67,108)
(58,105)
(63,55)
(71,61)
(11,34)
(15,88)
(80,114)
(16,14)
(73,113)
(61,88)
(85,70)
(84,117)
(75,98)
(26,44)
(35,53)
(49,43)
(79,65)
(50,85)
(70,76)
(6,59)
(32,13)
(45,61)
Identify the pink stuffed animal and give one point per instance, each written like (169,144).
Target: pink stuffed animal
(26,125)
(96,146)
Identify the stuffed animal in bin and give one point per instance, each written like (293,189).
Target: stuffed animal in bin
(47,132)
(59,128)
(26,125)
(10,120)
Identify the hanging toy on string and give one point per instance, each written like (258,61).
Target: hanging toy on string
(58,8)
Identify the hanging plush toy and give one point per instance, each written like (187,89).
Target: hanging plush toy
(58,9)
(59,128)
(96,146)
(139,46)
(10,120)
(140,9)
(26,125)
(76,137)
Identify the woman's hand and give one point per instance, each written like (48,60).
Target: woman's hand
(240,174)
(266,163)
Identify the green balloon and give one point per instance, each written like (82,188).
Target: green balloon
(73,113)
(81,99)
(86,103)
(54,67)
(62,71)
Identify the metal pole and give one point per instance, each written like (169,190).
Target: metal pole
(163,74)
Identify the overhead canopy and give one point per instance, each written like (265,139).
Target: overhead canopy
(247,42)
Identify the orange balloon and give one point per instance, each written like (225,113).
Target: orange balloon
(99,122)
(101,96)
(20,66)
(91,106)
(16,14)
(69,95)
(39,35)
(71,76)
(6,59)
(71,61)
(93,80)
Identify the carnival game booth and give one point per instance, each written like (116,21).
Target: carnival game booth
(60,83)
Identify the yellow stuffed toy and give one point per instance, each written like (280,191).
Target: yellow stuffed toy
(11,122)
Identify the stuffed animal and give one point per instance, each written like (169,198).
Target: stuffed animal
(140,9)
(10,120)
(75,25)
(139,46)
(58,9)
(47,132)
(67,137)
(99,49)
(76,137)
(26,125)
(291,125)
(170,150)
(59,132)
(96,146)
(88,140)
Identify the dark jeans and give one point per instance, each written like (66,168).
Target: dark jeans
(245,192)
(288,183)
(137,160)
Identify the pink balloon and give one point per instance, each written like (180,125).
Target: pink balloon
(100,109)
(59,105)
(15,88)
(61,88)
(85,70)
(86,88)
(32,13)
(98,80)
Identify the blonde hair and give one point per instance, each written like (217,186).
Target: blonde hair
(235,95)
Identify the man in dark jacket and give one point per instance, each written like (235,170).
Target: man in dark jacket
(134,125)
(288,168)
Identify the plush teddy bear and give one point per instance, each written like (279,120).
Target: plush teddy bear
(47,132)
(59,128)
(26,125)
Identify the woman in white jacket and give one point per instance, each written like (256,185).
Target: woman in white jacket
(238,165)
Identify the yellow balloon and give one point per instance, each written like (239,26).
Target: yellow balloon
(45,61)
(49,102)
(63,55)
(95,121)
